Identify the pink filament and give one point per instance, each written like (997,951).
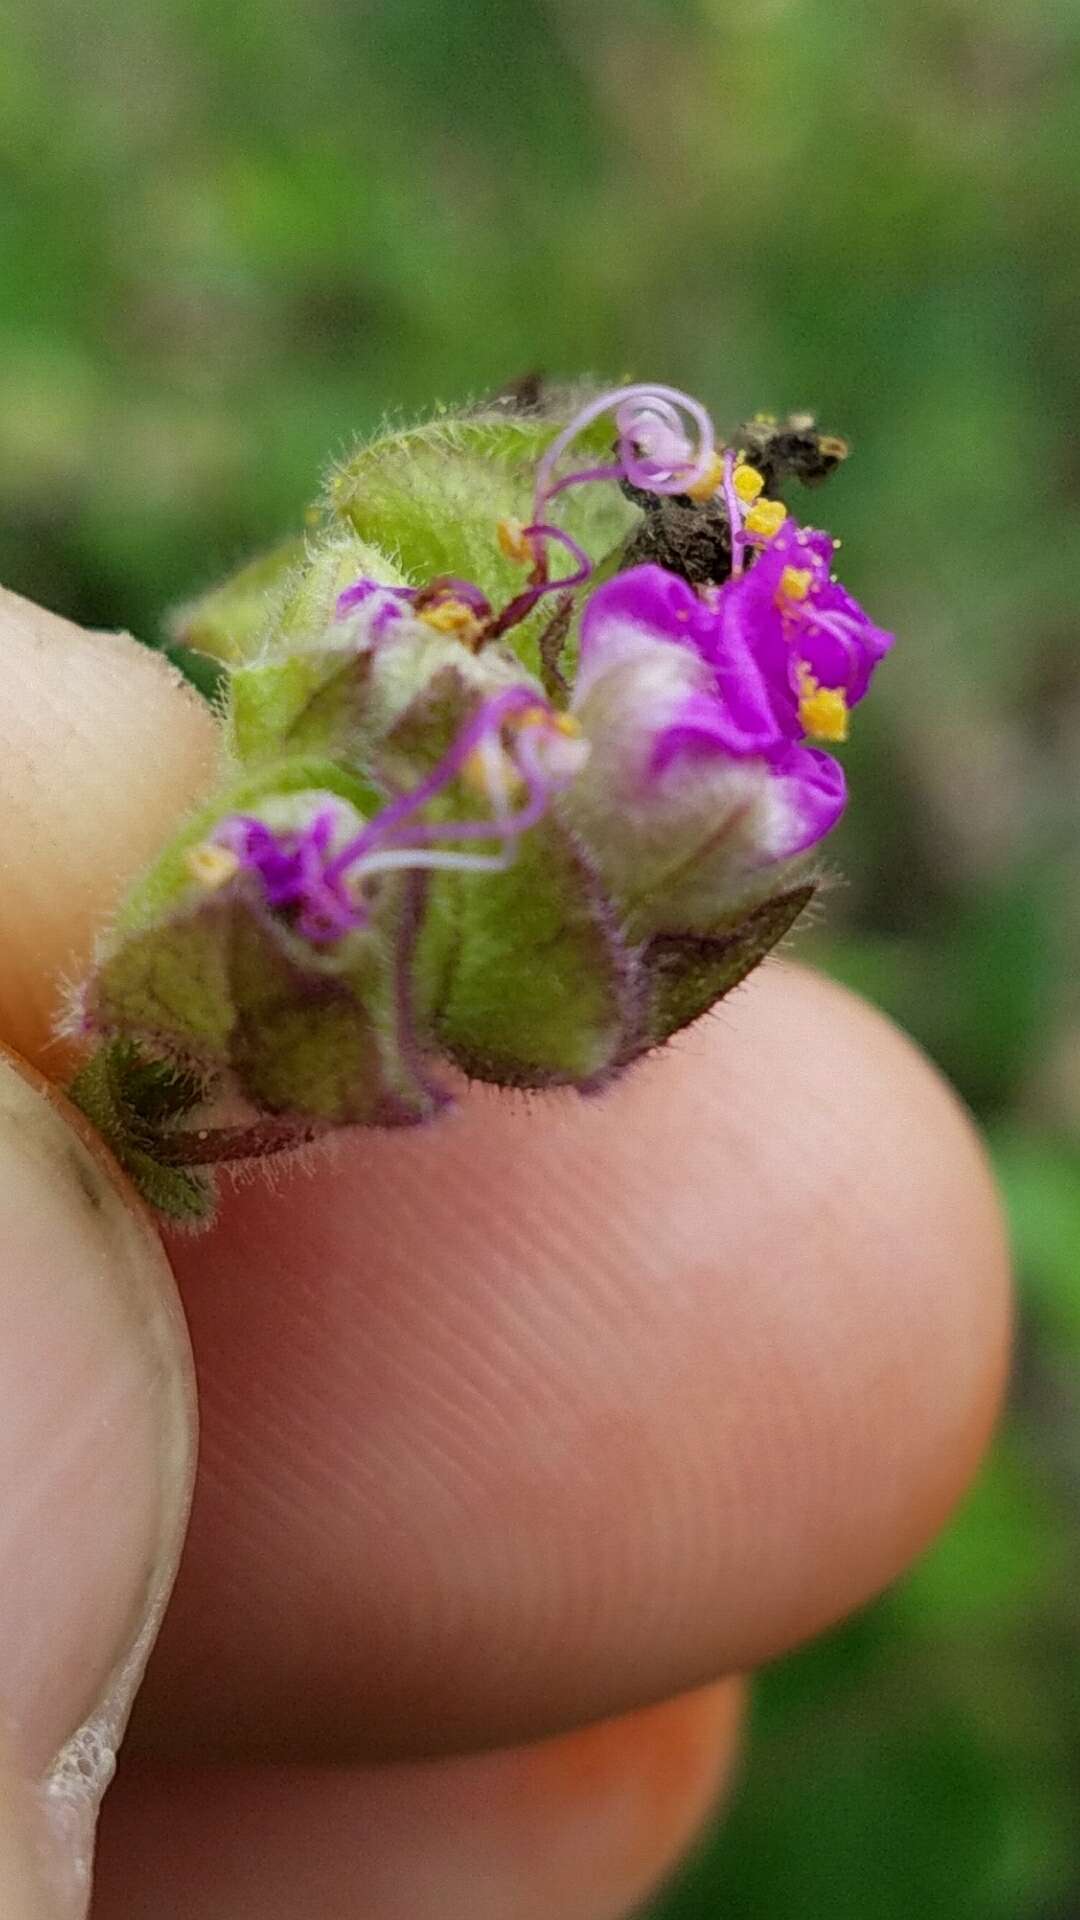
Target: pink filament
(618,400)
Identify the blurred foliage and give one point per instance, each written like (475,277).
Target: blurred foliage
(234,237)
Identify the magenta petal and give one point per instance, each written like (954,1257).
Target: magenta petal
(750,643)
(754,690)
(740,726)
(814,793)
(292,866)
(649,597)
(840,643)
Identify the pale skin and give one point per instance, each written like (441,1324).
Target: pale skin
(521,1438)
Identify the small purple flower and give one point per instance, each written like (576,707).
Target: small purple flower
(447,604)
(697,781)
(735,707)
(727,707)
(380,605)
(814,646)
(295,868)
(696,707)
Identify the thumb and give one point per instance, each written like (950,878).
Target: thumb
(102,751)
(96,1460)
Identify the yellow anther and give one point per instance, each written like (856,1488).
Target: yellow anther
(766,516)
(453,616)
(568,724)
(210,865)
(511,537)
(748,483)
(795,583)
(823,711)
(710,480)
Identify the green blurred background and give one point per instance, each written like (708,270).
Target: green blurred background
(233,236)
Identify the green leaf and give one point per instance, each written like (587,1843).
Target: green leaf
(433,496)
(304,610)
(282,599)
(171,985)
(308,703)
(228,622)
(686,974)
(325,1045)
(519,975)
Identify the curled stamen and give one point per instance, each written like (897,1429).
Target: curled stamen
(408,859)
(523,603)
(316,883)
(655,451)
(480,736)
(393,820)
(609,472)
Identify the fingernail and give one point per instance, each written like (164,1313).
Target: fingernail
(97,1449)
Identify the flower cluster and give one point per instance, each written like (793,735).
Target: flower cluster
(697,705)
(529,820)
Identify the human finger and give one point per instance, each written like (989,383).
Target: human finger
(758,1300)
(96,1447)
(582,1826)
(564,1406)
(102,748)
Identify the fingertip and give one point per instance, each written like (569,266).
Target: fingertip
(656,1775)
(896,1233)
(563,1406)
(102,749)
(585,1824)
